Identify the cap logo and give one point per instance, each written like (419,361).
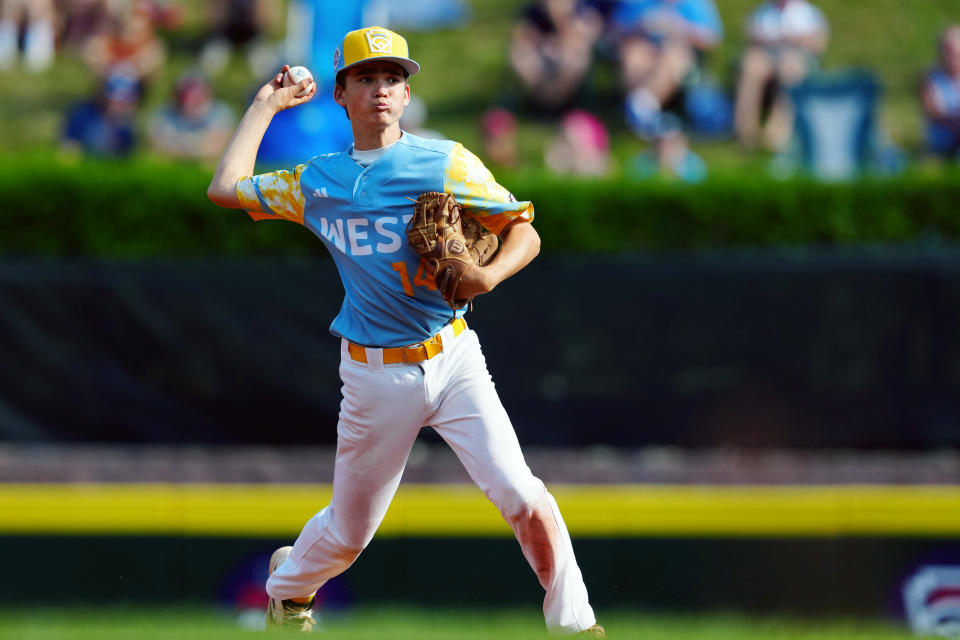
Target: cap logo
(378,41)
(336,59)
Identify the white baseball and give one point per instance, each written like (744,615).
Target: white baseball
(294,75)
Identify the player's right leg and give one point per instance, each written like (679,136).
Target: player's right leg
(292,614)
(473,421)
(381,414)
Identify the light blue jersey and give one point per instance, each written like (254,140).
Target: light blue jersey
(361,215)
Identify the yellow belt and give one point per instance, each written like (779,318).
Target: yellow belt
(412,353)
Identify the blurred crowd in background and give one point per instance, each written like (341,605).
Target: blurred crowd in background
(782,101)
(122,44)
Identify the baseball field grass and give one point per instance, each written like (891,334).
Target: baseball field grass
(384,623)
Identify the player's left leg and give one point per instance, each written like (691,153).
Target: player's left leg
(468,415)
(381,413)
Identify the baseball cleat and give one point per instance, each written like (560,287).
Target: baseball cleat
(287,614)
(596,631)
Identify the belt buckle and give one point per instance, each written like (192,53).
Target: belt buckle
(428,348)
(404,350)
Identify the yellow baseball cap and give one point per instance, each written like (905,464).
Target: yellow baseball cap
(373,43)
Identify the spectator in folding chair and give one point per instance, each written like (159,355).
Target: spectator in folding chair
(836,136)
(786,38)
(941,98)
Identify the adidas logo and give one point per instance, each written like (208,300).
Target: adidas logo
(320,193)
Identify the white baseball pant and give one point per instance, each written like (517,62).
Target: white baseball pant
(382,411)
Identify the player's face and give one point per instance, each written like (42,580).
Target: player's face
(374,94)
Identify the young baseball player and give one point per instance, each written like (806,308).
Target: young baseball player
(404,363)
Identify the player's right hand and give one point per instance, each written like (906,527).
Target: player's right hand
(280,97)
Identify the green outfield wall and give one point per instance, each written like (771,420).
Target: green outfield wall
(852,348)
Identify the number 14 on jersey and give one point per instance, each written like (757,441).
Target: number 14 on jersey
(422,278)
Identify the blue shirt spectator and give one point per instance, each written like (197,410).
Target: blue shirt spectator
(941,98)
(104,126)
(661,44)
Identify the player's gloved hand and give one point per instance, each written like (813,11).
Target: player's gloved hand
(454,245)
(279,97)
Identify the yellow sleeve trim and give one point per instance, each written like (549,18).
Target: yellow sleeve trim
(280,191)
(247,194)
(474,187)
(472,178)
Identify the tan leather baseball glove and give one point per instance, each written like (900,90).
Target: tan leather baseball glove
(449,241)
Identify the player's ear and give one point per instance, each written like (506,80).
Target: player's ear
(406,94)
(339,99)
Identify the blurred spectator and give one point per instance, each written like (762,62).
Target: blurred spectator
(104,126)
(837,134)
(670,156)
(941,98)
(603,7)
(551,50)
(81,20)
(499,130)
(166,15)
(37,16)
(708,109)
(661,44)
(130,41)
(195,126)
(785,40)
(581,147)
(244,25)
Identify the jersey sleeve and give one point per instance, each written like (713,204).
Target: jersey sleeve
(273,196)
(475,188)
